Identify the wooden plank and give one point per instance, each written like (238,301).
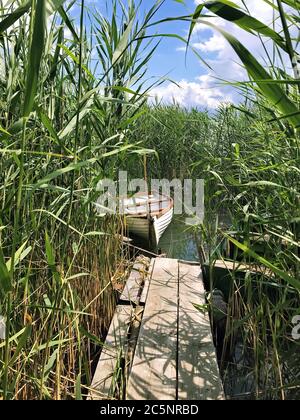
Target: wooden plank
(198,372)
(153,375)
(242,267)
(135,283)
(132,338)
(147,202)
(189,262)
(145,291)
(103,384)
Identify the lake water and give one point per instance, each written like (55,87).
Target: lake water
(178,241)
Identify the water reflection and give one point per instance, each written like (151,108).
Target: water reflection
(178,241)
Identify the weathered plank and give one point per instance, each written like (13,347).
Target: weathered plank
(153,375)
(174,357)
(132,338)
(147,281)
(134,285)
(104,383)
(198,372)
(189,262)
(238,266)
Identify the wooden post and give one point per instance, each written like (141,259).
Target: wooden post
(146,174)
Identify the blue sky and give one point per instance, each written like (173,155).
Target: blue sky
(196,85)
(167,59)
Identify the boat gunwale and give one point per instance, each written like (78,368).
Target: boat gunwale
(157,214)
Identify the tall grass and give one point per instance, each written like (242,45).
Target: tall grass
(249,159)
(260,186)
(72,111)
(63,128)
(251,173)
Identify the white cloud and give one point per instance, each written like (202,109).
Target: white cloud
(221,57)
(213,44)
(258,9)
(224,52)
(198,93)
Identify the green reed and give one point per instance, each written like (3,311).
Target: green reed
(61,131)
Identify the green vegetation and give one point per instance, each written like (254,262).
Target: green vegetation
(66,123)
(249,158)
(252,178)
(63,127)
(259,184)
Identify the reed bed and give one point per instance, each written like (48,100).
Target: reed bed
(72,112)
(64,112)
(251,173)
(249,158)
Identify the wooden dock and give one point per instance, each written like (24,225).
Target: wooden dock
(159,346)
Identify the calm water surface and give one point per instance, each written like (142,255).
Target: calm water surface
(178,241)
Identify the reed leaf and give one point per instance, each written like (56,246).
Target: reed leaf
(5,278)
(21,343)
(272,92)
(20,255)
(280,273)
(68,23)
(50,5)
(295,4)
(35,55)
(59,172)
(231,12)
(123,42)
(15,16)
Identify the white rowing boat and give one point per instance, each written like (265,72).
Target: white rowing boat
(148,215)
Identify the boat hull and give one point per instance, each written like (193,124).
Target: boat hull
(150,229)
(160,224)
